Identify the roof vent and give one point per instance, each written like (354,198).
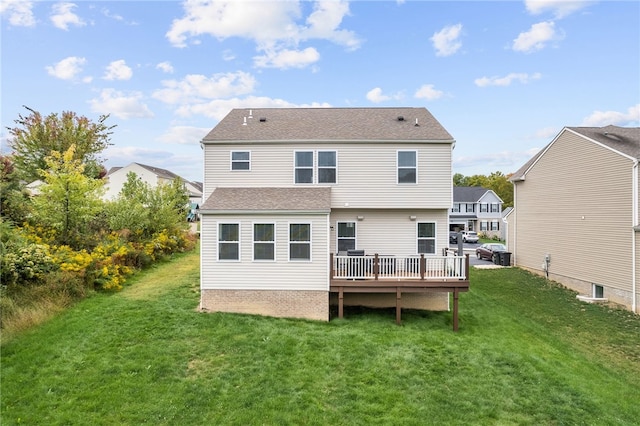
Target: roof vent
(244,123)
(400,118)
(263,119)
(416,123)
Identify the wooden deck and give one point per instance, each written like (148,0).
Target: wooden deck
(390,274)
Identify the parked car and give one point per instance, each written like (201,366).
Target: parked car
(469,237)
(486,251)
(453,237)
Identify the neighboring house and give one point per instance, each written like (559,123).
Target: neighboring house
(153,176)
(295,197)
(576,217)
(476,209)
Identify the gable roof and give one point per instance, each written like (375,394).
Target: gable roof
(468,194)
(329,124)
(622,140)
(268,199)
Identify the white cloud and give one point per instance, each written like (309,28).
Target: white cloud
(560,8)
(507,161)
(63,16)
(604,118)
(66,69)
(196,87)
(184,135)
(165,67)
(286,58)
(120,105)
(273,26)
(20,12)
(376,96)
(523,78)
(428,92)
(536,38)
(446,41)
(118,70)
(217,109)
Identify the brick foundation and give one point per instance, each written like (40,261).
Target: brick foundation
(305,304)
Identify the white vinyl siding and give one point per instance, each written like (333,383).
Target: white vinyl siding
(366,173)
(280,274)
(575,205)
(391,232)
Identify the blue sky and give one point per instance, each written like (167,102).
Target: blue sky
(503,77)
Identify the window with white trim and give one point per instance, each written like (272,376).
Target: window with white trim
(346,236)
(264,241)
(495,225)
(484,207)
(303,166)
(484,225)
(407,163)
(426,237)
(299,241)
(228,241)
(327,167)
(240,160)
(456,208)
(495,207)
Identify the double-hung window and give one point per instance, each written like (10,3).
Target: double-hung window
(264,241)
(304,166)
(484,208)
(484,225)
(228,241)
(495,208)
(426,238)
(495,225)
(456,208)
(240,160)
(407,166)
(327,167)
(307,170)
(346,236)
(299,241)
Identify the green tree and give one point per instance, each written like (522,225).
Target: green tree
(496,181)
(36,137)
(146,211)
(15,202)
(68,199)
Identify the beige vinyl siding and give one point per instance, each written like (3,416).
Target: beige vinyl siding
(367,173)
(390,232)
(280,274)
(575,205)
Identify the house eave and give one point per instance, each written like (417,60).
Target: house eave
(264,212)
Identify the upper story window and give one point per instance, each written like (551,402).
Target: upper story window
(470,208)
(304,166)
(407,166)
(426,237)
(240,160)
(264,241)
(228,241)
(300,241)
(495,208)
(484,207)
(456,208)
(327,167)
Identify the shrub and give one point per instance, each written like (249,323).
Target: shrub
(28,264)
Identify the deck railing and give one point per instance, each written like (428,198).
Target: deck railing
(378,267)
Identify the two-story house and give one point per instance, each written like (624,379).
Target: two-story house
(476,209)
(576,216)
(152,176)
(307,203)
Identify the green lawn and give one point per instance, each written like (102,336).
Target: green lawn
(527,353)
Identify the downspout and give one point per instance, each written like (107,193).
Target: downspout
(634,272)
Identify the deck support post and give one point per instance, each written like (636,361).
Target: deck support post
(341,303)
(398,305)
(455,310)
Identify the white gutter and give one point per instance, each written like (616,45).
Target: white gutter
(634,208)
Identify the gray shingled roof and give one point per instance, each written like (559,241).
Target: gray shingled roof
(329,124)
(261,199)
(625,140)
(468,194)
